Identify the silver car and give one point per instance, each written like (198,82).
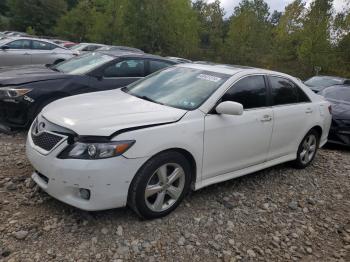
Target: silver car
(84,48)
(26,51)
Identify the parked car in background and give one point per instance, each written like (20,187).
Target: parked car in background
(179,59)
(16,34)
(83,48)
(26,51)
(339,97)
(24,91)
(120,48)
(64,43)
(318,83)
(190,125)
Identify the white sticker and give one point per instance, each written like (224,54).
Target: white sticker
(209,78)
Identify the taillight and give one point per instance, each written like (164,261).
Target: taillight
(330,109)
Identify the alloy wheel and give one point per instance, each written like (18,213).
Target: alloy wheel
(165,187)
(309,147)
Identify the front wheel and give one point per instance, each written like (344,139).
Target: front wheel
(160,185)
(307,149)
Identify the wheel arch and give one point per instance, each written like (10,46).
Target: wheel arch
(183,152)
(318,129)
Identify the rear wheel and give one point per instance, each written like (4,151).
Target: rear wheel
(307,149)
(160,185)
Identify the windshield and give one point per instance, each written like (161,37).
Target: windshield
(322,81)
(338,94)
(83,64)
(179,87)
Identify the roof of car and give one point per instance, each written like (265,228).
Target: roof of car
(120,53)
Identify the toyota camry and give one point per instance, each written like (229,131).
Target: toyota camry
(180,129)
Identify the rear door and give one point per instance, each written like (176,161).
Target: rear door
(292,111)
(43,52)
(19,53)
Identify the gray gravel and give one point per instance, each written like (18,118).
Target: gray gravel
(279,214)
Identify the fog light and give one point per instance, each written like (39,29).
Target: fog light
(84,193)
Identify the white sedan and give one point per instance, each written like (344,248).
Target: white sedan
(182,128)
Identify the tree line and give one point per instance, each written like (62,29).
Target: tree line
(295,41)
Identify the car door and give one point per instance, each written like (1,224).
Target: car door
(235,142)
(43,52)
(18,53)
(121,73)
(292,110)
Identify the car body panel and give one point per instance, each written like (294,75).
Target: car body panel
(221,146)
(13,57)
(119,110)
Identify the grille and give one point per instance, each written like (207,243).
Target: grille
(46,141)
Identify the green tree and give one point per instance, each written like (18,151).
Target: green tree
(249,36)
(3,7)
(77,23)
(162,26)
(287,37)
(315,49)
(109,26)
(41,15)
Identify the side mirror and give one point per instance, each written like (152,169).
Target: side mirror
(230,108)
(5,47)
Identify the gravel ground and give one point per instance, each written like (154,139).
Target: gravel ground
(279,214)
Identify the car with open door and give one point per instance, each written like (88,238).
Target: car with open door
(184,127)
(24,91)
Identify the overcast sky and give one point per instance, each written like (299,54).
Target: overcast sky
(274,4)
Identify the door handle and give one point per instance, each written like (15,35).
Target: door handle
(26,54)
(308,111)
(266,118)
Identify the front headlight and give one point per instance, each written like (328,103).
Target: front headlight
(10,92)
(92,151)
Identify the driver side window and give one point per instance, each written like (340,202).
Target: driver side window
(19,44)
(126,68)
(250,91)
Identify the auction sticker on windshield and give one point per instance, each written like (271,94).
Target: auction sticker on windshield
(209,78)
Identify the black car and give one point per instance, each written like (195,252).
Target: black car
(318,83)
(25,90)
(339,97)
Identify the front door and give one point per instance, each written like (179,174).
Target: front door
(232,143)
(18,53)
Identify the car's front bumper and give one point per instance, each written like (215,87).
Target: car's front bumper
(14,113)
(108,180)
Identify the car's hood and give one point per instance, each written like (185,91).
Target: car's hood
(104,113)
(18,75)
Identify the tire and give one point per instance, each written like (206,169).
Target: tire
(307,149)
(168,177)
